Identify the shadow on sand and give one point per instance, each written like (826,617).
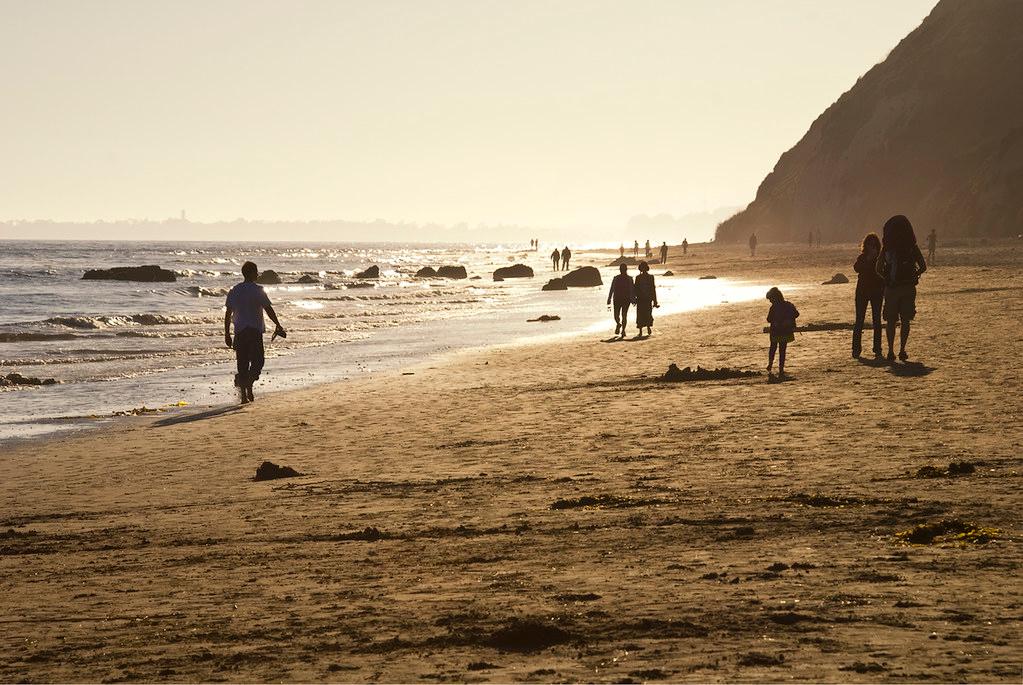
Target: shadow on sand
(910,369)
(874,362)
(198,416)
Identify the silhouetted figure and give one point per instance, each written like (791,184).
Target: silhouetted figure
(685,247)
(245,306)
(621,294)
(811,238)
(566,255)
(645,294)
(664,252)
(621,251)
(900,265)
(932,244)
(753,245)
(647,253)
(635,248)
(782,316)
(869,290)
(818,237)
(556,258)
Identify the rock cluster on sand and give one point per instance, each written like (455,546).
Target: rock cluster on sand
(630,261)
(269,471)
(146,274)
(308,278)
(427,272)
(555,284)
(268,277)
(371,272)
(514,271)
(545,317)
(676,375)
(457,272)
(955,468)
(17,379)
(837,278)
(583,277)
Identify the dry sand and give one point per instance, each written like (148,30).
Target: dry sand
(738,530)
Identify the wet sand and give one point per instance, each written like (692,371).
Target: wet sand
(554,512)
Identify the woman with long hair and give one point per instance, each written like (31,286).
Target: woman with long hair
(869,290)
(646,299)
(900,265)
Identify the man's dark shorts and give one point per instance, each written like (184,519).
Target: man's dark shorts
(900,302)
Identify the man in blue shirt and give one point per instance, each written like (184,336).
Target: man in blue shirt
(245,306)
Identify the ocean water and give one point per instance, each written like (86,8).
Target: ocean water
(115,346)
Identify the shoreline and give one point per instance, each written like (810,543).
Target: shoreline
(552,512)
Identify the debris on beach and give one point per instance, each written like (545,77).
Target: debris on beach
(545,317)
(527,635)
(677,375)
(12,379)
(837,278)
(612,501)
(270,471)
(948,530)
(955,468)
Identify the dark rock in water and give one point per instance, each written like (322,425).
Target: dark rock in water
(583,277)
(270,471)
(545,317)
(476,278)
(452,272)
(677,375)
(668,273)
(268,277)
(555,284)
(837,278)
(707,278)
(528,635)
(17,379)
(630,261)
(427,272)
(371,272)
(514,271)
(308,278)
(146,274)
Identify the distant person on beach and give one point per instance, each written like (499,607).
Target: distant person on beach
(621,251)
(782,316)
(245,306)
(869,290)
(566,255)
(556,258)
(647,253)
(753,245)
(818,237)
(664,252)
(685,247)
(900,265)
(645,294)
(621,294)
(932,243)
(635,248)
(811,238)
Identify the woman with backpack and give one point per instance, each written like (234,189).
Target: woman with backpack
(899,265)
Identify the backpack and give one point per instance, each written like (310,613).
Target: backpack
(902,269)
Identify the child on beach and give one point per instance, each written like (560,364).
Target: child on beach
(782,316)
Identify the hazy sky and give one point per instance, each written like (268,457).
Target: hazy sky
(548,113)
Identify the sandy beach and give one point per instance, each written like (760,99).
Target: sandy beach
(554,512)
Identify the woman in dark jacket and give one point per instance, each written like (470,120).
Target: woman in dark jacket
(900,265)
(869,290)
(646,299)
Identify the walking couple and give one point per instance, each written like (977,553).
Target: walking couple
(625,292)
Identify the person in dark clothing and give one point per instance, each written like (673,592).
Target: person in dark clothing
(244,308)
(753,245)
(782,316)
(869,290)
(664,253)
(622,293)
(932,244)
(685,247)
(900,265)
(811,238)
(621,250)
(566,255)
(645,294)
(635,248)
(556,258)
